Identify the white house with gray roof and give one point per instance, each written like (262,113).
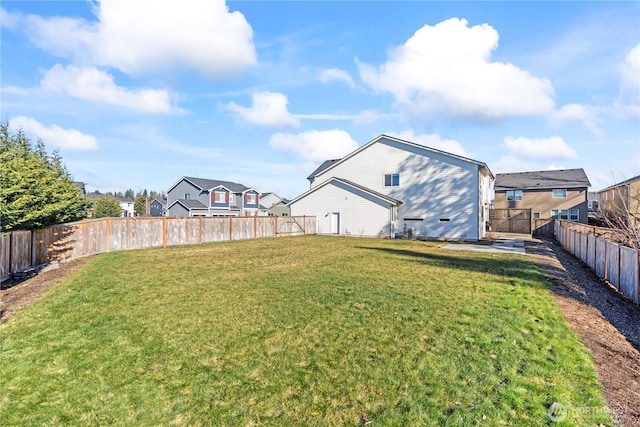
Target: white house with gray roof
(192,196)
(390,186)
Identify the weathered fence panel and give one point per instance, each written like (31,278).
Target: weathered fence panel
(591,251)
(612,261)
(216,229)
(22,250)
(629,274)
(5,256)
(601,259)
(613,264)
(582,242)
(183,231)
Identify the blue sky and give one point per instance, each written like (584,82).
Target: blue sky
(261,92)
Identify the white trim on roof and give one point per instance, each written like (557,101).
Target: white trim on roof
(412,144)
(390,200)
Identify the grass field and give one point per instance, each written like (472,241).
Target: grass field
(297,331)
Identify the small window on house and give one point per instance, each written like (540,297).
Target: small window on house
(219,197)
(559,193)
(187,196)
(536,215)
(514,195)
(252,199)
(285,214)
(392,180)
(613,195)
(574,214)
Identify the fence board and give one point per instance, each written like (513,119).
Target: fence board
(629,274)
(582,247)
(613,264)
(5,259)
(591,251)
(601,260)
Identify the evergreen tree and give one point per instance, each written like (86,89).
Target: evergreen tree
(106,206)
(140,205)
(129,193)
(35,188)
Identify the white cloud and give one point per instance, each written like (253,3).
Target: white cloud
(631,68)
(267,109)
(579,113)
(91,84)
(315,145)
(68,139)
(337,75)
(137,37)
(433,141)
(553,148)
(447,67)
(507,164)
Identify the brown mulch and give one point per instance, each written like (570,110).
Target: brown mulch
(20,295)
(608,323)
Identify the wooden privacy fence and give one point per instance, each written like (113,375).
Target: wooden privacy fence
(23,250)
(616,263)
(510,220)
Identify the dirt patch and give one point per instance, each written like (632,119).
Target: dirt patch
(608,323)
(19,296)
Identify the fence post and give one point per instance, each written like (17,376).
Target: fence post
(230,228)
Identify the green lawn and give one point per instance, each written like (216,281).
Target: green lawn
(297,331)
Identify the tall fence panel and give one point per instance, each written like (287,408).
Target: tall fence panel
(612,261)
(591,251)
(601,259)
(629,274)
(20,250)
(5,256)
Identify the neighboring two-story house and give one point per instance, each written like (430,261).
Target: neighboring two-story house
(126,203)
(207,197)
(158,207)
(275,205)
(621,202)
(559,194)
(390,185)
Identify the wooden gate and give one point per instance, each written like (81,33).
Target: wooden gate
(510,221)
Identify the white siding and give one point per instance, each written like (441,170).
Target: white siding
(432,187)
(360,213)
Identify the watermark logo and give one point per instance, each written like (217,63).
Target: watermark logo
(557,412)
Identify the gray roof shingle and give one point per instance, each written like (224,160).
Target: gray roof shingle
(207,184)
(562,178)
(191,204)
(322,167)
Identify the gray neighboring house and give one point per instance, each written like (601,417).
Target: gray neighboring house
(192,196)
(549,194)
(158,207)
(275,205)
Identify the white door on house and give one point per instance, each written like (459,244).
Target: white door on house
(335,222)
